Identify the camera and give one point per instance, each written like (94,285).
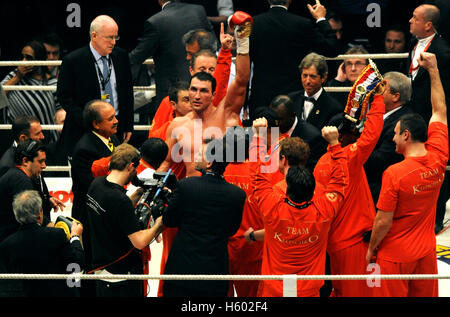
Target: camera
(154,200)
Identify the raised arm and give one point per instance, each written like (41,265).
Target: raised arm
(237,90)
(439,109)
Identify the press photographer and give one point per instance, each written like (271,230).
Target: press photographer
(116,234)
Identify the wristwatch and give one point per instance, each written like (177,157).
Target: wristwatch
(252,236)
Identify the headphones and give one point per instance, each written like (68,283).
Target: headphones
(27,149)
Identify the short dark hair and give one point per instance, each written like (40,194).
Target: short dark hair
(300,184)
(21,125)
(232,148)
(204,76)
(154,151)
(91,113)
(51,39)
(205,39)
(175,88)
(278,2)
(202,52)
(416,126)
(29,149)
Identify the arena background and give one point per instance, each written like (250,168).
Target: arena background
(21,20)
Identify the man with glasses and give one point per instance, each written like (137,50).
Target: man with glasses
(99,70)
(348,72)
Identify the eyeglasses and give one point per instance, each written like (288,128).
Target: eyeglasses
(28,57)
(356,64)
(111,37)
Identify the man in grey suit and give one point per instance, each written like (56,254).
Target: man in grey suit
(162,40)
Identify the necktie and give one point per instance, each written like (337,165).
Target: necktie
(107,81)
(111,145)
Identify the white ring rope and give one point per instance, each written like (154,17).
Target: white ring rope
(222,277)
(151,62)
(135,88)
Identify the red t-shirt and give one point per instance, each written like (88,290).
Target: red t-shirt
(410,190)
(358,211)
(239,249)
(295,239)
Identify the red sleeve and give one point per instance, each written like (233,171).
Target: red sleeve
(222,74)
(438,140)
(162,115)
(100,167)
(161,132)
(339,170)
(372,129)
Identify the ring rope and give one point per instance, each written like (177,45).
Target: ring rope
(135,88)
(222,277)
(150,61)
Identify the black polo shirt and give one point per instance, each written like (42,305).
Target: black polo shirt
(13,182)
(111,220)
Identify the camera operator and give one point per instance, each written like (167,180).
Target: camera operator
(116,234)
(207,211)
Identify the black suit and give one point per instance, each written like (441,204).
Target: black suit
(383,155)
(78,84)
(313,136)
(89,149)
(207,211)
(162,40)
(37,249)
(421,87)
(324,108)
(278,43)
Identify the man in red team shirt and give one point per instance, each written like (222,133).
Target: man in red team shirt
(296,224)
(403,239)
(355,218)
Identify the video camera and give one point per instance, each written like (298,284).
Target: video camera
(154,200)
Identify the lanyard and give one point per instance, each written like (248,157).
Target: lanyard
(411,68)
(104,81)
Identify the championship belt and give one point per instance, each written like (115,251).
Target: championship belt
(358,98)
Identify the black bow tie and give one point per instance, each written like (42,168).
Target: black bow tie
(311,99)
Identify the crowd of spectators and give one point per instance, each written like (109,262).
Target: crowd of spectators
(227,69)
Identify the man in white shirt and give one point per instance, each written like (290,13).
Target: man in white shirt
(422,27)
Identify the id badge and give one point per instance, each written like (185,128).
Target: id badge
(105,97)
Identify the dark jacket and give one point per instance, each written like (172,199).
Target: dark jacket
(207,211)
(78,84)
(278,43)
(163,41)
(42,250)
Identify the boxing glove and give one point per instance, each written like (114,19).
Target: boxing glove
(241,22)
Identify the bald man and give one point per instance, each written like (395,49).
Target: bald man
(99,70)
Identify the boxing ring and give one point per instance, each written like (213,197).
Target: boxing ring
(289,281)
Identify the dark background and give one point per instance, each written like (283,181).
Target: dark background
(21,20)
